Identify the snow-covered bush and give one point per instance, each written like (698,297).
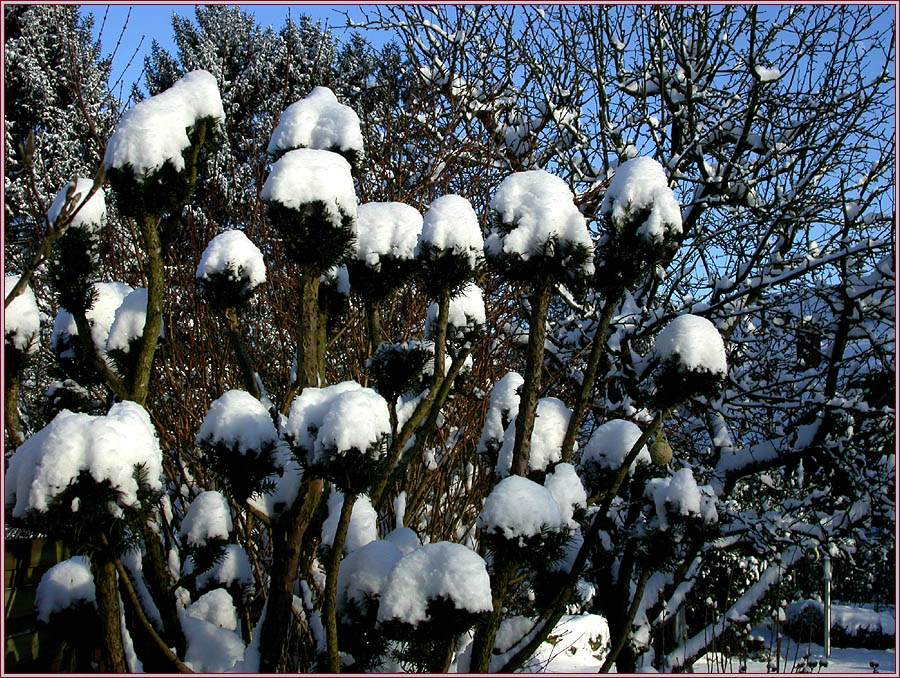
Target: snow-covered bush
(606,450)
(386,235)
(230,270)
(450,246)
(21,326)
(691,359)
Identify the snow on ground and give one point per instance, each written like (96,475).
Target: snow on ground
(843,659)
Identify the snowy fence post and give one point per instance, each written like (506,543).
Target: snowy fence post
(826,570)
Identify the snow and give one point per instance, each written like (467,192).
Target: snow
(154,131)
(129,320)
(107,447)
(337,419)
(850,619)
(550,423)
(215,607)
(21,319)
(232,568)
(518,508)
(210,648)
(363,528)
(107,299)
(565,486)
(364,573)
(404,539)
(91,216)
(233,254)
(679,495)
(693,343)
(442,570)
(307,175)
(640,184)
(386,229)
(465,314)
(610,444)
(539,207)
(63,585)
(340,278)
(766,74)
(503,404)
(239,421)
(581,644)
(208,517)
(451,224)
(319,122)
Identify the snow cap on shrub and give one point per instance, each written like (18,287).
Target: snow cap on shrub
(108,448)
(638,186)
(692,344)
(92,214)
(64,585)
(438,571)
(611,442)
(108,297)
(129,320)
(518,508)
(386,229)
(233,261)
(207,518)
(451,226)
(363,518)
(21,319)
(154,131)
(319,122)
(550,423)
(363,575)
(466,314)
(238,421)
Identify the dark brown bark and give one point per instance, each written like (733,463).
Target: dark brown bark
(248,374)
(534,364)
(112,652)
(486,629)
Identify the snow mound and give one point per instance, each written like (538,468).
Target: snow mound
(233,568)
(680,495)
(581,644)
(363,527)
(364,573)
(319,122)
(442,570)
(238,421)
(233,254)
(386,229)
(107,447)
(550,423)
(610,444)
(465,315)
(92,214)
(63,585)
(502,408)
(565,486)
(129,320)
(540,209)
(210,648)
(154,131)
(404,539)
(451,224)
(337,419)
(108,298)
(693,344)
(215,607)
(640,185)
(518,508)
(21,319)
(208,517)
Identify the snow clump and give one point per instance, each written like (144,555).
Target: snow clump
(439,571)
(108,297)
(466,314)
(106,447)
(539,209)
(518,508)
(319,122)
(638,186)
(129,321)
(680,495)
(502,409)
(610,444)
(21,319)
(565,486)
(64,585)
(307,175)
(215,607)
(231,569)
(232,254)
(451,224)
(154,131)
(693,344)
(386,229)
(337,419)
(363,575)
(362,529)
(208,518)
(91,215)
(550,423)
(238,421)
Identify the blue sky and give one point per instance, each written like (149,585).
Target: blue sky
(154,22)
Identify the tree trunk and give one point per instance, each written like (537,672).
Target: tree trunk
(140,386)
(308,339)
(486,629)
(112,652)
(287,540)
(540,301)
(11,410)
(329,609)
